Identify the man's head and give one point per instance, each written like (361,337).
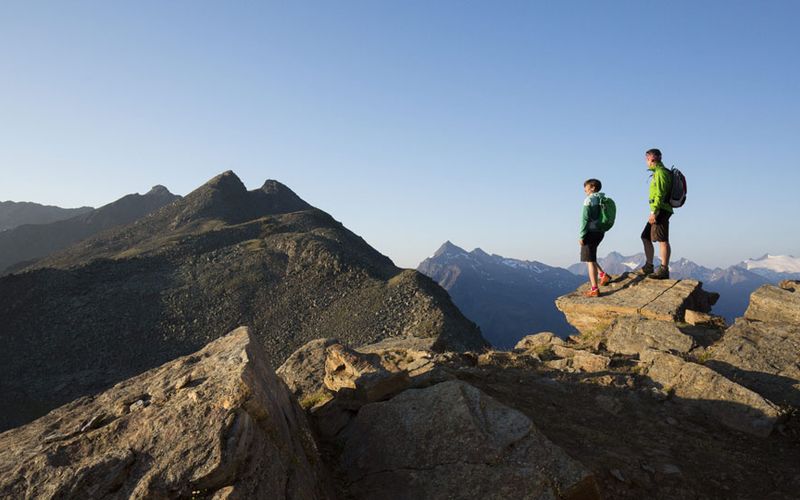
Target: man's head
(652,156)
(592,186)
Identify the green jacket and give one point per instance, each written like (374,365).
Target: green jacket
(660,188)
(590,215)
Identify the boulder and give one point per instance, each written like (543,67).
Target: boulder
(452,441)
(702,388)
(775,304)
(763,356)
(361,376)
(304,370)
(581,360)
(665,300)
(217,423)
(635,334)
(697,318)
(538,341)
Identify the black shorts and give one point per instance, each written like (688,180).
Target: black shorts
(589,247)
(658,231)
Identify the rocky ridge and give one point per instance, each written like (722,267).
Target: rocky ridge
(23,245)
(133,297)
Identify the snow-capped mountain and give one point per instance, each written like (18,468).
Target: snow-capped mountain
(507,298)
(774,267)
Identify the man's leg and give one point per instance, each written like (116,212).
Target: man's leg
(666,251)
(649,251)
(592,266)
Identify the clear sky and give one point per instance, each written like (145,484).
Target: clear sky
(415,122)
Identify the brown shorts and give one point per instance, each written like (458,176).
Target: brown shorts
(658,231)
(589,248)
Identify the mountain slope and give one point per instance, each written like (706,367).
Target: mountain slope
(13,213)
(136,296)
(507,298)
(33,241)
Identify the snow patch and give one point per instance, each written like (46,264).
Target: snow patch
(777,263)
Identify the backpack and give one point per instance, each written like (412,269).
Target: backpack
(677,196)
(608,213)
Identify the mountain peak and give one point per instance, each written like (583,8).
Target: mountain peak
(276,198)
(448,248)
(158,190)
(226,181)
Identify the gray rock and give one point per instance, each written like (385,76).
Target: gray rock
(763,356)
(452,441)
(237,433)
(304,370)
(538,340)
(665,300)
(635,334)
(773,304)
(361,376)
(582,360)
(702,388)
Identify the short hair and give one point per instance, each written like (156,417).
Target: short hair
(594,184)
(655,152)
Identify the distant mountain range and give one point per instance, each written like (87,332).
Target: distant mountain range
(14,213)
(507,298)
(734,283)
(24,244)
(133,296)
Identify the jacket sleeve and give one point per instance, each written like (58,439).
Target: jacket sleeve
(584,229)
(659,192)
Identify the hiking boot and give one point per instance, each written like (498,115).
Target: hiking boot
(662,273)
(591,293)
(645,270)
(605,280)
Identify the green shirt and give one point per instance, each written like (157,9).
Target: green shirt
(660,188)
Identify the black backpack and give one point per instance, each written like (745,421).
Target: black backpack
(677,196)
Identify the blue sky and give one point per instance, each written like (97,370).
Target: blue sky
(416,122)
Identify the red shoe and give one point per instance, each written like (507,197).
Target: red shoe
(592,293)
(605,280)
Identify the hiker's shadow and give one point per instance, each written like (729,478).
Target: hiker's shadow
(621,282)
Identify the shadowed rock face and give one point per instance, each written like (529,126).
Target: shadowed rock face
(452,441)
(734,405)
(762,350)
(137,296)
(217,423)
(629,295)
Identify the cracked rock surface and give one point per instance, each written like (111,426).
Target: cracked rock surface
(631,295)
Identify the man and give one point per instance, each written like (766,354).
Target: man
(657,227)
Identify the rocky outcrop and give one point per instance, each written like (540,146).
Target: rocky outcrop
(538,341)
(629,295)
(303,372)
(215,424)
(761,350)
(706,390)
(361,376)
(774,304)
(635,334)
(452,441)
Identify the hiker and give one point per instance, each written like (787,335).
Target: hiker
(591,234)
(657,227)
